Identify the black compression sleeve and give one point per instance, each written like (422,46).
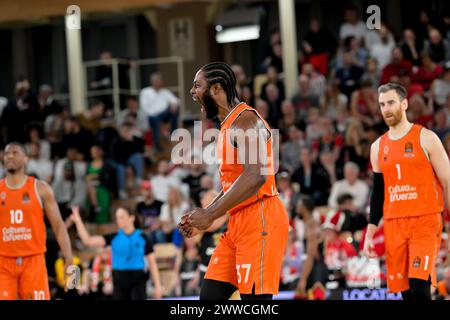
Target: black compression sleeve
(377,199)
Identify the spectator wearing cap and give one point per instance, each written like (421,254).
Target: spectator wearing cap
(149,209)
(350,184)
(398,63)
(440,88)
(437,47)
(126,151)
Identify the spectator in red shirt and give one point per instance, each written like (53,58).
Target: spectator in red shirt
(427,72)
(398,63)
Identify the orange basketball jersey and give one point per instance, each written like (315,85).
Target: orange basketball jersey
(231,168)
(21,220)
(411,187)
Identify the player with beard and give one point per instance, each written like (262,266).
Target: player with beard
(249,254)
(23,202)
(410,170)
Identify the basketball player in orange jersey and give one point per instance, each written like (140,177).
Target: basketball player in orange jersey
(249,254)
(23,201)
(410,168)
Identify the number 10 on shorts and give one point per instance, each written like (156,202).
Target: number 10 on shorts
(238,269)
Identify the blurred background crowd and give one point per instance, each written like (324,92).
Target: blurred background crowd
(100,161)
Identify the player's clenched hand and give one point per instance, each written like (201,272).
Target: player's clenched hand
(198,218)
(184,226)
(369,248)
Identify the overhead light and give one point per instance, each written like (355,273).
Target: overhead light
(236,34)
(240,24)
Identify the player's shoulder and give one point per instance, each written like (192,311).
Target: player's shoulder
(43,188)
(248,119)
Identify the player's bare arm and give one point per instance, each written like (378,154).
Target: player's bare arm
(248,183)
(439,160)
(376,201)
(54,217)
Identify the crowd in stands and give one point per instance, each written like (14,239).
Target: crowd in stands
(99,161)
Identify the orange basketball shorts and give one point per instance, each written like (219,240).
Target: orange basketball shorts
(24,278)
(250,253)
(412,246)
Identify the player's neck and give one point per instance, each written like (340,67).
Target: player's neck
(16,180)
(225,109)
(400,130)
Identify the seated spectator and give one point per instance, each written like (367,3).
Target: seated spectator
(411,47)
(289,117)
(440,88)
(382,51)
(364,103)
(354,219)
(126,151)
(47,104)
(437,47)
(196,172)
(101,182)
(397,64)
(313,128)
(372,73)
(327,160)
(318,81)
(290,150)
(70,190)
(164,180)
(374,36)
(132,112)
(305,98)
(311,178)
(285,190)
(77,137)
(427,72)
(159,104)
(262,106)
(274,100)
(359,53)
(36,135)
(331,101)
(171,213)
(352,185)
(441,128)
(349,75)
(272,78)
(91,119)
(38,166)
(73,156)
(419,112)
(188,273)
(337,250)
(318,46)
(353,26)
(149,209)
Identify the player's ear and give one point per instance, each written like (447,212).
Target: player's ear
(215,89)
(404,104)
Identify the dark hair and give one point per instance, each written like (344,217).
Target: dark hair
(220,72)
(96,102)
(17,144)
(308,202)
(344,197)
(399,89)
(131,213)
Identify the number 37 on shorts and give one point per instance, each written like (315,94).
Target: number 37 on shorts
(245,269)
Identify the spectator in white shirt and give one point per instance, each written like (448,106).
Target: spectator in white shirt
(163,181)
(172,211)
(353,26)
(351,185)
(159,104)
(133,113)
(38,166)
